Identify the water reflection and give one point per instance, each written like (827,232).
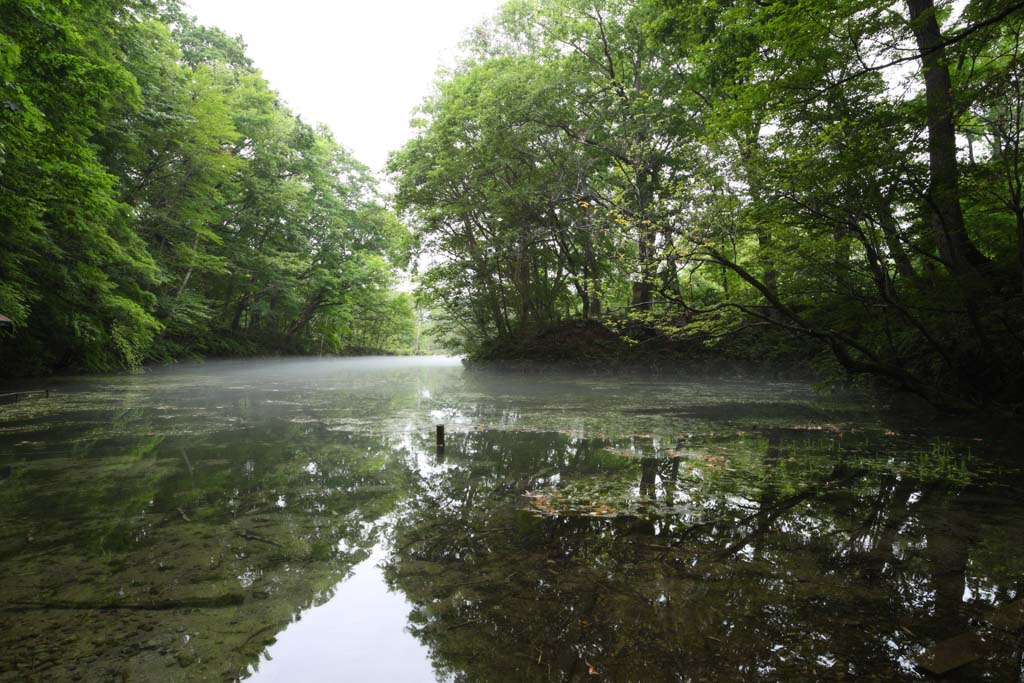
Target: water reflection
(802,568)
(219,521)
(359,635)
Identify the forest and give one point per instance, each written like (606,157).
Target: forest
(690,343)
(836,181)
(845,177)
(159,201)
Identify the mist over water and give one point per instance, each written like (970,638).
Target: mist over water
(293,520)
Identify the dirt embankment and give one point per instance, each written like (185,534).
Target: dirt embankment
(593,345)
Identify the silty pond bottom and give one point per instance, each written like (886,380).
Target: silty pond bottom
(293,520)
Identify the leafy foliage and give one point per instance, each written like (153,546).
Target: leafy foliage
(158,200)
(693,170)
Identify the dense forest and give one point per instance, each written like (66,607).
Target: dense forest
(845,175)
(839,180)
(158,201)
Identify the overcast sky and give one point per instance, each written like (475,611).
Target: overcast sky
(360,66)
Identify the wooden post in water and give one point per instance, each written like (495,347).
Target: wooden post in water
(440,436)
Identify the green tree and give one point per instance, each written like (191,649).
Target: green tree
(75,275)
(158,199)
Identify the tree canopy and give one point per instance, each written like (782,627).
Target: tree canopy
(843,173)
(158,200)
(847,174)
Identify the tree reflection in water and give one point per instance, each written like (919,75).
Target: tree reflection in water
(177,561)
(169,528)
(780,556)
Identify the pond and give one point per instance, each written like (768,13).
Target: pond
(294,520)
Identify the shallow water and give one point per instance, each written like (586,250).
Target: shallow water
(293,520)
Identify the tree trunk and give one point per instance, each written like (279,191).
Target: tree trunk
(887,221)
(483,273)
(1019,213)
(191,265)
(670,281)
(750,143)
(642,289)
(646,183)
(236,322)
(955,245)
(581,291)
(308,311)
(591,270)
(948,534)
(521,279)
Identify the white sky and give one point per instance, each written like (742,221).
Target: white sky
(358,66)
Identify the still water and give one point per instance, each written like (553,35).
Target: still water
(293,520)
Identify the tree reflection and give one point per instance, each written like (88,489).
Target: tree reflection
(159,525)
(753,553)
(831,565)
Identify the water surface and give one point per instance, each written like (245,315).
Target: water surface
(293,520)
